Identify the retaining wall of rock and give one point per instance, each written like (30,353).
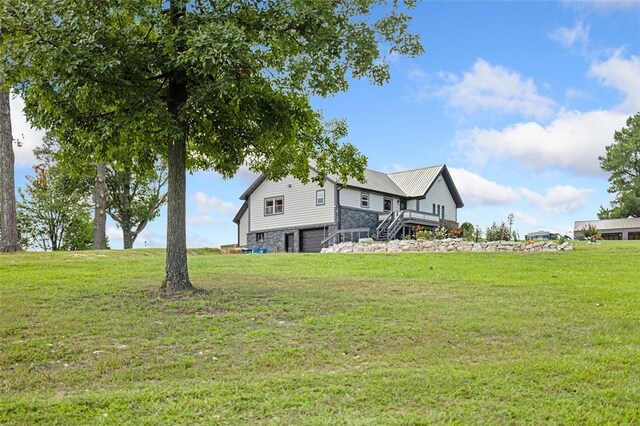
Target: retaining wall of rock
(367,245)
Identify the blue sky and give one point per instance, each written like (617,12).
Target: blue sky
(518,98)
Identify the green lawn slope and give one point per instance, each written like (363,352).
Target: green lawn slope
(468,338)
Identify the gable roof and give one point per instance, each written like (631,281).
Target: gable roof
(375,181)
(608,224)
(417,182)
(407,183)
(236,218)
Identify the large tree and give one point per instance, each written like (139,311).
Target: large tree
(220,83)
(130,189)
(136,194)
(622,162)
(54,213)
(8,215)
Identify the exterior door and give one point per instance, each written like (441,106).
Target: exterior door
(288,243)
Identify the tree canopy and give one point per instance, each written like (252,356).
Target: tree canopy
(622,161)
(211,84)
(53,210)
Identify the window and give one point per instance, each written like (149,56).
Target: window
(259,237)
(442,211)
(612,236)
(434,209)
(388,205)
(273,206)
(320,197)
(364,200)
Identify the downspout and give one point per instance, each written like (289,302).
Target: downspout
(338,209)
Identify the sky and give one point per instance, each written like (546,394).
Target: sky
(517,98)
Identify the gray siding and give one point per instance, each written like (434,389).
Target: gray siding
(243,228)
(439,194)
(299,205)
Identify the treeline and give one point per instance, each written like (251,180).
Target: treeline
(64,204)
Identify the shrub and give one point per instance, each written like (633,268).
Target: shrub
(591,230)
(477,233)
(440,233)
(498,232)
(455,233)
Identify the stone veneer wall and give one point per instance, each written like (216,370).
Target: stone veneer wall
(357,218)
(274,239)
(368,245)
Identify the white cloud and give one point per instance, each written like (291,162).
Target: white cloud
(574,140)
(197,240)
(205,220)
(497,89)
(559,199)
(576,36)
(27,137)
(475,190)
(621,74)
(573,93)
(150,238)
(206,204)
(525,220)
(114,234)
(394,167)
(146,238)
(245,174)
(603,5)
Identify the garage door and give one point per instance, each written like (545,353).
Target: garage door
(311,240)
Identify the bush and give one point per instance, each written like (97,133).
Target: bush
(440,233)
(421,232)
(590,231)
(456,233)
(477,233)
(498,232)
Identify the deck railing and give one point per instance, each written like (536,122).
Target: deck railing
(352,234)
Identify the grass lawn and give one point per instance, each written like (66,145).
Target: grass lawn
(468,338)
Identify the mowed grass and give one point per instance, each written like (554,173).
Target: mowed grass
(466,338)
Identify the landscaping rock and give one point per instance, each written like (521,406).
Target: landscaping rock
(368,245)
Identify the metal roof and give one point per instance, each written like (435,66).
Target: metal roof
(375,181)
(408,183)
(415,183)
(607,224)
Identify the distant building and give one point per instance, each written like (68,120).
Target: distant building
(542,235)
(611,229)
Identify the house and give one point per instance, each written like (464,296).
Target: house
(290,216)
(542,235)
(611,229)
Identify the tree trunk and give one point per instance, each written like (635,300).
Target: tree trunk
(127,235)
(177,273)
(9,241)
(100,209)
(126,200)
